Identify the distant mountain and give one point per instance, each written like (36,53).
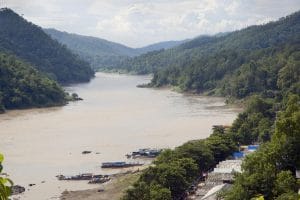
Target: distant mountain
(159,46)
(101,53)
(98,52)
(30,43)
(258,59)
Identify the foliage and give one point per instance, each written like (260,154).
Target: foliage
(157,192)
(270,171)
(176,170)
(259,59)
(255,124)
(29,42)
(103,54)
(221,145)
(267,174)
(5,183)
(22,86)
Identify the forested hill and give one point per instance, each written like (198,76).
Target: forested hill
(30,43)
(101,53)
(22,86)
(262,58)
(160,46)
(98,52)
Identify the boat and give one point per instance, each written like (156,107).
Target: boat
(86,176)
(99,179)
(147,152)
(86,152)
(119,164)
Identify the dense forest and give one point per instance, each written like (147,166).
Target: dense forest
(259,64)
(269,173)
(257,59)
(30,43)
(31,63)
(22,86)
(103,54)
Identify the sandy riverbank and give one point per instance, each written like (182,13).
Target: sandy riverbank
(112,190)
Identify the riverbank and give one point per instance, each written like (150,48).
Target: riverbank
(230,102)
(112,190)
(118,71)
(101,123)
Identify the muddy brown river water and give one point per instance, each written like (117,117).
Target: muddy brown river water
(115,118)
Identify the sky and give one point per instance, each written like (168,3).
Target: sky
(137,23)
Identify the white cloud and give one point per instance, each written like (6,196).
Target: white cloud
(141,22)
(232,7)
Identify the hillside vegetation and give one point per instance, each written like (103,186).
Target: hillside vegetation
(22,86)
(261,63)
(103,54)
(259,59)
(30,43)
(269,173)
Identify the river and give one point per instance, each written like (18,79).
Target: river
(114,118)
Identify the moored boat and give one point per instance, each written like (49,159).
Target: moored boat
(119,164)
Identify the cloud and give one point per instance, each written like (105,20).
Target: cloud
(232,7)
(140,22)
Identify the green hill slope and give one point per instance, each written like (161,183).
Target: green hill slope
(98,52)
(22,86)
(101,53)
(29,42)
(257,59)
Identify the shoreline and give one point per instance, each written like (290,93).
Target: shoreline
(236,104)
(112,190)
(73,114)
(115,188)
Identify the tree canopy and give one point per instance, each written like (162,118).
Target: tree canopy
(260,59)
(22,86)
(5,183)
(175,171)
(103,54)
(270,172)
(30,43)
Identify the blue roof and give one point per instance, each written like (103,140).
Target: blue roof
(253,147)
(238,154)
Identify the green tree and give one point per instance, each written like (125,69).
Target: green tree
(285,183)
(30,43)
(255,124)
(140,190)
(22,86)
(5,183)
(157,192)
(221,146)
(268,172)
(199,152)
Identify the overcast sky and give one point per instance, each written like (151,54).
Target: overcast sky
(140,22)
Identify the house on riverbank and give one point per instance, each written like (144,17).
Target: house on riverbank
(222,176)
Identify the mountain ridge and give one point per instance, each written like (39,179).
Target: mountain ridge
(244,62)
(30,43)
(101,53)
